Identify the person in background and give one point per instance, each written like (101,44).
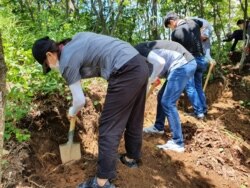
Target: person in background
(236,36)
(90,55)
(187,33)
(179,68)
(246,24)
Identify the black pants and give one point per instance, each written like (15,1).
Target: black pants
(123,111)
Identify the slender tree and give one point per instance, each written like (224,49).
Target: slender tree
(246,41)
(229,15)
(154,20)
(201,8)
(2,101)
(120,10)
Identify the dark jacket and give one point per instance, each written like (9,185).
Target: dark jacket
(187,33)
(236,36)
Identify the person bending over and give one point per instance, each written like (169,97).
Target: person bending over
(187,33)
(90,55)
(179,68)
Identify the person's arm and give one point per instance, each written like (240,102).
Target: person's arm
(158,64)
(78,98)
(145,49)
(234,45)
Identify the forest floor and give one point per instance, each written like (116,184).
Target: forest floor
(217,149)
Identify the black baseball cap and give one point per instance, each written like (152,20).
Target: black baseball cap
(39,50)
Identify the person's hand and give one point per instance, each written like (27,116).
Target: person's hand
(71,113)
(153,86)
(156,82)
(151,80)
(203,38)
(212,61)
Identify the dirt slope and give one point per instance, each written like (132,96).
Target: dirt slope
(217,149)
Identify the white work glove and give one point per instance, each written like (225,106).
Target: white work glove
(71,111)
(152,79)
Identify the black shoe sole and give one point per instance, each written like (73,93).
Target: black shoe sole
(132,164)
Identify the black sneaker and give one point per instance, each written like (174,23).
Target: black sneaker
(92,183)
(131,164)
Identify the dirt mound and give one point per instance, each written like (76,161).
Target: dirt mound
(38,160)
(217,149)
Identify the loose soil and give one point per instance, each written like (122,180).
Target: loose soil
(217,148)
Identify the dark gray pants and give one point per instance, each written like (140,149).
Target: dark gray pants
(123,111)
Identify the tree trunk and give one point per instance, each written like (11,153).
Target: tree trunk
(217,33)
(243,55)
(148,26)
(28,3)
(76,8)
(67,8)
(216,28)
(201,9)
(229,16)
(154,21)
(102,18)
(3,70)
(99,14)
(120,10)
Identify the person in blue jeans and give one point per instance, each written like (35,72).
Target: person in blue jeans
(197,81)
(179,68)
(206,34)
(188,34)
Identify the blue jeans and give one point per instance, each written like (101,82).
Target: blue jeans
(194,88)
(168,96)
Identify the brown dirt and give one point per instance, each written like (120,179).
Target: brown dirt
(217,149)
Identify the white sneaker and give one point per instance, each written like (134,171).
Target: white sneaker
(152,130)
(170,142)
(171,145)
(198,116)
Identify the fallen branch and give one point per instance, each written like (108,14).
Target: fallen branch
(33,182)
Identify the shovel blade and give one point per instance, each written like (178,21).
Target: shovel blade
(69,152)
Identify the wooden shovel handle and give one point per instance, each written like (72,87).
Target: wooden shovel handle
(71,129)
(72,123)
(212,64)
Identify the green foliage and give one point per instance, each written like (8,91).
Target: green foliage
(21,135)
(245,103)
(220,52)
(24,77)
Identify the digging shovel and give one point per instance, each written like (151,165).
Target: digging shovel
(70,151)
(212,64)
